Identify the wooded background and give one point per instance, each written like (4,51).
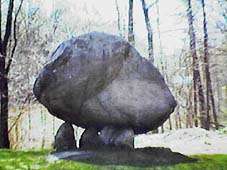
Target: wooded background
(185,39)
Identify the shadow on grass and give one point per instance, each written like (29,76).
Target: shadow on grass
(141,157)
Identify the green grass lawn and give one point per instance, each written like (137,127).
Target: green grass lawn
(35,160)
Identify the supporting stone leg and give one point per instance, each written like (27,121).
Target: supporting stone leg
(65,138)
(124,138)
(117,137)
(90,139)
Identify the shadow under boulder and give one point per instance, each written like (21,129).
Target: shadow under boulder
(148,156)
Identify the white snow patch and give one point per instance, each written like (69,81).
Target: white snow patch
(186,141)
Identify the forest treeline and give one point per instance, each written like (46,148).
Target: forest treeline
(27,37)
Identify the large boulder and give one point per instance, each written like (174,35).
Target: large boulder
(97,80)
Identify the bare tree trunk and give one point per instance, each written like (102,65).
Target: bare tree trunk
(176,121)
(131,37)
(118,18)
(163,67)
(209,90)
(186,120)
(43,130)
(206,63)
(4,136)
(219,94)
(170,124)
(190,116)
(149,32)
(160,48)
(4,70)
(176,117)
(158,29)
(179,119)
(197,84)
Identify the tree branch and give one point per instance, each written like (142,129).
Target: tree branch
(14,37)
(27,99)
(151,5)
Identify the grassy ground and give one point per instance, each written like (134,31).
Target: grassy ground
(35,160)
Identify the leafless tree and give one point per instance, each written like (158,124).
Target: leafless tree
(198,93)
(209,90)
(11,25)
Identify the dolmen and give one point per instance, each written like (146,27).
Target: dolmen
(101,83)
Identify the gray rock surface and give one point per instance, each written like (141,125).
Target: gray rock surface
(90,139)
(117,137)
(98,80)
(65,138)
